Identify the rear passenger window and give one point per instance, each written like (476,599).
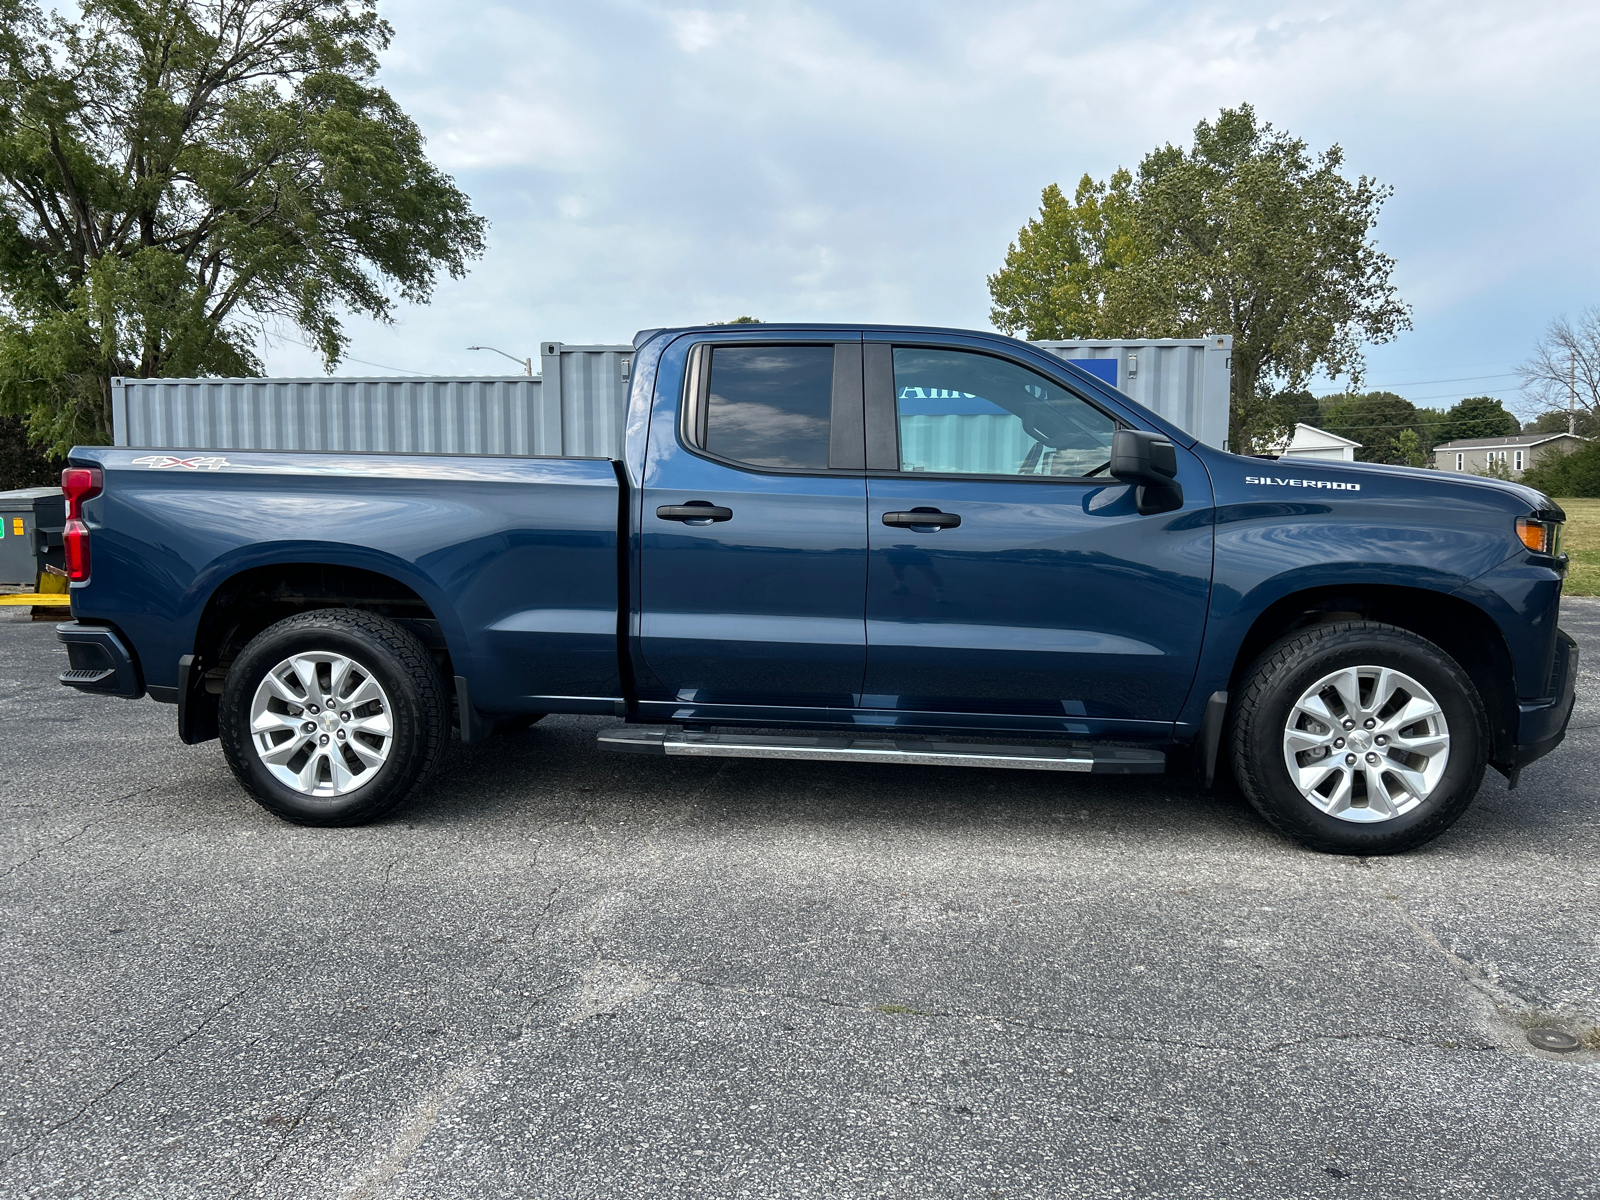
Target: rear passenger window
(769,405)
(963,413)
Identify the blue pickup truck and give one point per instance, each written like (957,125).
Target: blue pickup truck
(864,544)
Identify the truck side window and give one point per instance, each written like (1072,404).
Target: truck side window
(769,406)
(968,413)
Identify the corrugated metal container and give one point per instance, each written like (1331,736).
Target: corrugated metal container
(1185,380)
(575,408)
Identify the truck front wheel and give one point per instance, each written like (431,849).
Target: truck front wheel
(1359,738)
(333,717)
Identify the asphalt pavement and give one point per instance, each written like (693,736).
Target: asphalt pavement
(564,973)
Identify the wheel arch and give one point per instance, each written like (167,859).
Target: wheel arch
(1461,629)
(244,602)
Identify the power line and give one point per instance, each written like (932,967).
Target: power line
(1421,426)
(1435,396)
(348,358)
(1430,382)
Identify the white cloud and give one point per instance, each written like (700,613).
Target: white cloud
(644,163)
(696,30)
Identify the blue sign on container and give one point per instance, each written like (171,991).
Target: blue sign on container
(1100,368)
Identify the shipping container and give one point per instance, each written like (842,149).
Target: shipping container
(575,407)
(1185,380)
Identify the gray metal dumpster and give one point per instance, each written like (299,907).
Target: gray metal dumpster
(31,522)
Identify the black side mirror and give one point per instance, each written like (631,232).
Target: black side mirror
(1150,461)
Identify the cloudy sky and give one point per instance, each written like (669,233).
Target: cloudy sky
(646,164)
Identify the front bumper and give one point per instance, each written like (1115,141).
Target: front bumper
(99,661)
(1540,727)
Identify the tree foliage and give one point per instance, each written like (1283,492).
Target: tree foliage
(1574,474)
(1057,281)
(1476,417)
(21,463)
(1245,232)
(176,175)
(1380,421)
(1583,422)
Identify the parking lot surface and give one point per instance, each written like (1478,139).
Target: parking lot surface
(570,974)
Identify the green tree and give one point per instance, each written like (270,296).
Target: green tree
(1295,407)
(21,464)
(1584,423)
(1058,274)
(1428,422)
(1379,421)
(1476,417)
(1575,474)
(1246,232)
(1408,449)
(178,175)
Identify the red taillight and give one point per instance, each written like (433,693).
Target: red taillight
(75,541)
(79,484)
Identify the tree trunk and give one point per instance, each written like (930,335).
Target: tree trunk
(1241,396)
(103,420)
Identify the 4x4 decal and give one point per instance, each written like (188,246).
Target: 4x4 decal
(161,461)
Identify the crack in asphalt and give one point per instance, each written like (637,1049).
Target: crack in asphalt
(1469,972)
(54,846)
(312,1096)
(43,850)
(137,1071)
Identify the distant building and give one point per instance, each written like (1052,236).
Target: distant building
(1475,456)
(1310,442)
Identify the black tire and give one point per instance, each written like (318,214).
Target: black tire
(1274,685)
(517,722)
(396,661)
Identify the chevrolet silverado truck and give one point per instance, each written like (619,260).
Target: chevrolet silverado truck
(859,544)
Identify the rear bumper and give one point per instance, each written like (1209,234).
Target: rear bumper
(98,661)
(1541,727)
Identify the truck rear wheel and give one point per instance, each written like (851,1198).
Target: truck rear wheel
(333,717)
(1359,738)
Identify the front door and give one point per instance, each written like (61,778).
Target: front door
(1010,580)
(760,601)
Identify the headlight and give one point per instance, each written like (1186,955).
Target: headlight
(1542,537)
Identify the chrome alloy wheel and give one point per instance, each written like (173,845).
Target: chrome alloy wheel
(1366,744)
(321,724)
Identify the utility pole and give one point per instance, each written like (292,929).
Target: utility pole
(525,363)
(1572,395)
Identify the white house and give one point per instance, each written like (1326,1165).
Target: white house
(1310,442)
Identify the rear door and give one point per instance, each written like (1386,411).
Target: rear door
(761,600)
(1012,583)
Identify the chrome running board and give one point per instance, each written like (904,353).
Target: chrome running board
(1099,760)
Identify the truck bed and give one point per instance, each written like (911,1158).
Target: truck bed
(513,560)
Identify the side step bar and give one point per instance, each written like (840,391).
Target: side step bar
(1099,760)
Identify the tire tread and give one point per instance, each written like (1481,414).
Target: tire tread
(414,660)
(1261,678)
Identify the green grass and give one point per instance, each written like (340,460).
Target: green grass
(1581,540)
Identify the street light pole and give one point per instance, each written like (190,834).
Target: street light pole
(525,363)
